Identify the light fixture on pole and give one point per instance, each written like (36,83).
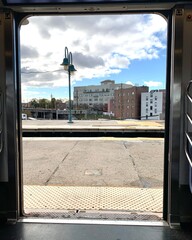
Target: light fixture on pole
(68,66)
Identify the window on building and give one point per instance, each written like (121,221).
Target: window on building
(147,98)
(151,114)
(146,104)
(133,93)
(146,110)
(151,95)
(151,107)
(151,101)
(155,110)
(156,98)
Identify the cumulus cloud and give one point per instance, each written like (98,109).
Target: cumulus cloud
(129,82)
(28,52)
(83,60)
(153,84)
(101,45)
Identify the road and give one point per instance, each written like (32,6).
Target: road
(121,162)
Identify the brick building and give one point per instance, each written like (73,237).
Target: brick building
(127,102)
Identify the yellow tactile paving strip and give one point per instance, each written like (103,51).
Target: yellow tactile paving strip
(93,198)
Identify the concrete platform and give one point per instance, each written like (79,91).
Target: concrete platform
(90,128)
(86,174)
(107,162)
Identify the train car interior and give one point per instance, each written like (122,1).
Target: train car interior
(176,219)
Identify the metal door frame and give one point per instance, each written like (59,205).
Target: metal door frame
(174,120)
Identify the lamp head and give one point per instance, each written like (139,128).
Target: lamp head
(65,63)
(71,68)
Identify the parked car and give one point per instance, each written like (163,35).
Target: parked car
(24,116)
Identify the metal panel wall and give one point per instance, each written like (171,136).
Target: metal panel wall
(3,152)
(8,122)
(180,199)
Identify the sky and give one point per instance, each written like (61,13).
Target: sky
(125,48)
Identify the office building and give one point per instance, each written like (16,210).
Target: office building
(94,96)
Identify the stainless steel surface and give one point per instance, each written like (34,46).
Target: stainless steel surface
(175,116)
(3,147)
(186,76)
(188,124)
(181,63)
(97,222)
(95,7)
(11,114)
(130,6)
(184,165)
(98,215)
(178,154)
(186,150)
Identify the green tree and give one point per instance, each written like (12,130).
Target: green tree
(53,103)
(44,103)
(34,103)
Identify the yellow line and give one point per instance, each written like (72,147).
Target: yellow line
(132,139)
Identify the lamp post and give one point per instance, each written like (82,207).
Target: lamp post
(68,66)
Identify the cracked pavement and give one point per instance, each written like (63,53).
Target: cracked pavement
(115,162)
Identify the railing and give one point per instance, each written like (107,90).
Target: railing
(188,130)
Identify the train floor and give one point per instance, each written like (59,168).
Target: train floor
(56,231)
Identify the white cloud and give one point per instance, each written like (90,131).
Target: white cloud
(153,84)
(103,45)
(28,94)
(129,82)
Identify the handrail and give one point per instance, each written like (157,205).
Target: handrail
(186,150)
(188,140)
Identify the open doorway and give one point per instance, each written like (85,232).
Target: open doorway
(80,159)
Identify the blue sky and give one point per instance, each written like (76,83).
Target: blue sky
(124,48)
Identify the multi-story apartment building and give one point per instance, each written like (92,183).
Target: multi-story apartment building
(153,105)
(96,95)
(127,102)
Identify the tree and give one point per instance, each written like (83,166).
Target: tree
(34,103)
(44,103)
(53,103)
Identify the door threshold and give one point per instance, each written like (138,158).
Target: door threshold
(94,222)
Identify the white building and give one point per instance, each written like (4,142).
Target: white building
(153,105)
(96,94)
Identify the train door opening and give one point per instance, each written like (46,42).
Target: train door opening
(111,165)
